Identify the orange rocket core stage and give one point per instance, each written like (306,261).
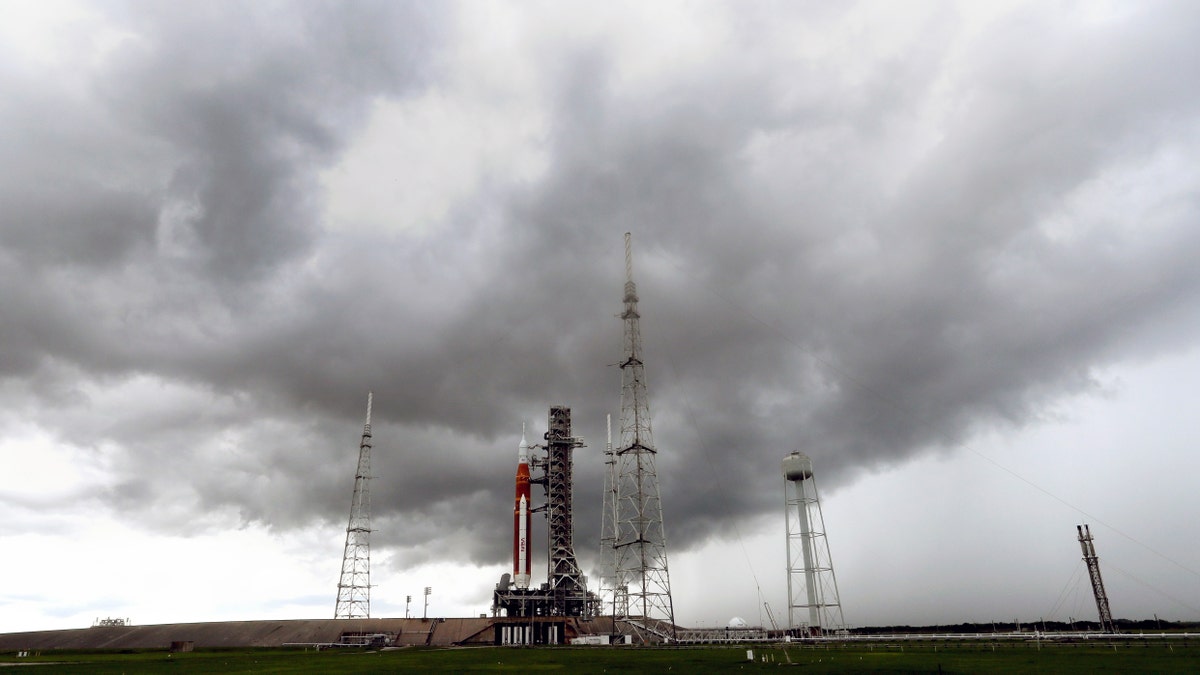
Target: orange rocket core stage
(521,518)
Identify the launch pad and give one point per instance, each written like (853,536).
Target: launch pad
(564,594)
(633,557)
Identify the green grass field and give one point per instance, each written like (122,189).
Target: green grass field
(910,658)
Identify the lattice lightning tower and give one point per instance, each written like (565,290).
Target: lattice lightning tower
(640,545)
(354,586)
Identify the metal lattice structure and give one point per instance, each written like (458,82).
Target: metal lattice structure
(567,584)
(565,591)
(354,585)
(1093,565)
(812,585)
(641,577)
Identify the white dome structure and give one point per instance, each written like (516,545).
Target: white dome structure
(736,622)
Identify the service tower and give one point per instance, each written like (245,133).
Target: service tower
(568,587)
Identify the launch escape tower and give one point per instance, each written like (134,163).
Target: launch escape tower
(639,575)
(812,586)
(354,586)
(1093,565)
(565,592)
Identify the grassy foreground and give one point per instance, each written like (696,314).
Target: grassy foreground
(909,658)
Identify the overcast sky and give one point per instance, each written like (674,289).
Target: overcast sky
(946,249)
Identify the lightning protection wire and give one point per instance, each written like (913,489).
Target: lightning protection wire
(1173,598)
(1066,591)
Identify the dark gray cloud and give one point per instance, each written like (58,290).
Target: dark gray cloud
(252,100)
(163,210)
(865,269)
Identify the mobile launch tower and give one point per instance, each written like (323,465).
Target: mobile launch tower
(354,585)
(638,574)
(568,587)
(812,586)
(565,592)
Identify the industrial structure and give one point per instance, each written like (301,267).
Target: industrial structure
(568,586)
(638,574)
(633,566)
(1093,564)
(354,585)
(814,608)
(536,615)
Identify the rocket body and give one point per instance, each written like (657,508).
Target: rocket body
(521,518)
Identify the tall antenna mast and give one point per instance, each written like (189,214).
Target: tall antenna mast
(1093,565)
(354,586)
(640,545)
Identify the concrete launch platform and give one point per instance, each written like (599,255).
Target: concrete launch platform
(309,632)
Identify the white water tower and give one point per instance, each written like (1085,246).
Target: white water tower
(813,603)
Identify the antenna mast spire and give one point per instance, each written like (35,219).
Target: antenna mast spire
(641,580)
(354,586)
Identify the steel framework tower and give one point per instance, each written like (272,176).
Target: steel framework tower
(812,586)
(567,584)
(640,546)
(354,586)
(565,592)
(1093,565)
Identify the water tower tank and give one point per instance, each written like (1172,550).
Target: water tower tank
(797,466)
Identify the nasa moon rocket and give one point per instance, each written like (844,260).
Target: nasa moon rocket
(521,517)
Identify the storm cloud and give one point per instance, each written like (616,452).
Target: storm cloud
(865,250)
